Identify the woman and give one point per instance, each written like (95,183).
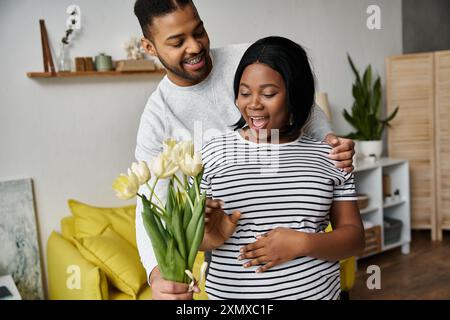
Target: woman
(278,187)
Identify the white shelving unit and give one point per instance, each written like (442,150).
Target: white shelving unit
(369,180)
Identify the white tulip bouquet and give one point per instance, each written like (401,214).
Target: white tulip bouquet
(176,229)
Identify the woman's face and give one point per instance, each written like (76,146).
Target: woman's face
(262,99)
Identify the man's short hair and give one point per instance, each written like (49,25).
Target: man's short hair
(147,10)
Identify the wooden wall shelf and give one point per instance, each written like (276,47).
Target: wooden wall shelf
(90,74)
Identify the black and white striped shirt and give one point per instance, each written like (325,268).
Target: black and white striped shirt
(288,185)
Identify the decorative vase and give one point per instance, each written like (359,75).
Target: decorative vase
(103,62)
(370,148)
(64,60)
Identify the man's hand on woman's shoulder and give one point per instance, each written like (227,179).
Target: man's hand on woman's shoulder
(343,151)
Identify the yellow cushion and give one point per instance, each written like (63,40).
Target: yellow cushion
(68,228)
(117,258)
(115,294)
(91,221)
(197,265)
(144,294)
(64,261)
(98,284)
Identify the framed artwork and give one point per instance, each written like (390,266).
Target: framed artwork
(19,244)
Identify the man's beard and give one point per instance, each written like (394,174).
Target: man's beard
(183,74)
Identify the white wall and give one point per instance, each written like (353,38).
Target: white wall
(327,28)
(73,136)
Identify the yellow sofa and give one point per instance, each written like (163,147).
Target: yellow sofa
(95,257)
(76,272)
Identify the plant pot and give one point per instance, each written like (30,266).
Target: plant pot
(370,148)
(358,154)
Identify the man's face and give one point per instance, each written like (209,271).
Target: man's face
(181,43)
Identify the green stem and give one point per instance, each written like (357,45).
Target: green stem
(197,190)
(185,180)
(157,207)
(152,189)
(185,192)
(154,194)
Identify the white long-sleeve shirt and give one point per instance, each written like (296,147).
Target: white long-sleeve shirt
(197,113)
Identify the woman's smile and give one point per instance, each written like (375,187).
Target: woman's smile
(258,123)
(262,100)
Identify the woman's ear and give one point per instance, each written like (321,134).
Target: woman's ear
(148,46)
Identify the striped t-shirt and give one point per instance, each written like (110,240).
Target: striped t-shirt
(289,185)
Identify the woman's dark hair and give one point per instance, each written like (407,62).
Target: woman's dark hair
(147,10)
(290,60)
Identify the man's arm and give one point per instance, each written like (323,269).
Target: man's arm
(149,143)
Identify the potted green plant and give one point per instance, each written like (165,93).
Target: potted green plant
(365,116)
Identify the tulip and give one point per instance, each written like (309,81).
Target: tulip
(191,276)
(176,152)
(163,167)
(169,149)
(203,271)
(183,148)
(142,171)
(191,165)
(175,228)
(169,144)
(126,186)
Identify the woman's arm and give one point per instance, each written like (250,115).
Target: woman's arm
(346,239)
(283,244)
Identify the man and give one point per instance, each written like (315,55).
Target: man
(195,100)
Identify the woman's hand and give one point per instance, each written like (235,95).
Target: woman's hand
(343,151)
(219,226)
(275,247)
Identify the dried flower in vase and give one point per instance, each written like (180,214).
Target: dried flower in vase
(73,22)
(134,49)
